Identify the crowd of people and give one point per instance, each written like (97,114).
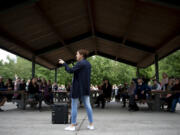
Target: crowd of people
(138,89)
(37,89)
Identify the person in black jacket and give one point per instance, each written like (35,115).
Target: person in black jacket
(2,86)
(33,87)
(140,93)
(22,85)
(106,88)
(10,87)
(80,87)
(33,91)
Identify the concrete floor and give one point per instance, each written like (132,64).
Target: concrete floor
(114,120)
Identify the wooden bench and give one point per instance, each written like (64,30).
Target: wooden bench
(154,101)
(21,102)
(157,103)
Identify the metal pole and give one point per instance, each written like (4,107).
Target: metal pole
(55,75)
(33,66)
(157,67)
(137,72)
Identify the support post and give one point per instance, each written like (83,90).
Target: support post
(137,72)
(157,67)
(33,66)
(55,75)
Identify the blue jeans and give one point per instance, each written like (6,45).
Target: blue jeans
(174,102)
(74,105)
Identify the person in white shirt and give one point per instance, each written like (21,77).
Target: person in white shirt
(164,81)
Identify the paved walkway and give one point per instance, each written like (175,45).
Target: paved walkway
(114,120)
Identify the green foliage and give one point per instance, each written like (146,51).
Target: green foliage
(148,72)
(170,65)
(116,72)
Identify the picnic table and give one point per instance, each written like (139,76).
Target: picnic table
(21,102)
(155,103)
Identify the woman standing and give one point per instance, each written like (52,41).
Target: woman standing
(80,87)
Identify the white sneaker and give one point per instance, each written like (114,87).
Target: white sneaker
(90,127)
(70,128)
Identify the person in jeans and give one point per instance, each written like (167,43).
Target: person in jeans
(80,87)
(174,98)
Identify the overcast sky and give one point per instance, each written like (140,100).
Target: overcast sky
(4,54)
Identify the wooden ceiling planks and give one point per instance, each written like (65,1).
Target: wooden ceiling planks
(132,31)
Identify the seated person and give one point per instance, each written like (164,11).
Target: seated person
(164,81)
(17,88)
(141,90)
(2,86)
(131,90)
(170,84)
(49,92)
(172,99)
(156,85)
(55,87)
(2,101)
(33,91)
(10,87)
(118,93)
(22,85)
(124,94)
(139,94)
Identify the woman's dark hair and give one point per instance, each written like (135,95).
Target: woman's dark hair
(9,80)
(84,52)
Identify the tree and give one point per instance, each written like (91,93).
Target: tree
(116,72)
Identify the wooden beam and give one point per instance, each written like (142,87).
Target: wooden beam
(11,38)
(131,20)
(174,4)
(55,74)
(18,43)
(92,20)
(90,15)
(160,47)
(33,66)
(106,56)
(137,72)
(118,59)
(169,39)
(59,45)
(128,42)
(8,4)
(156,60)
(49,21)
